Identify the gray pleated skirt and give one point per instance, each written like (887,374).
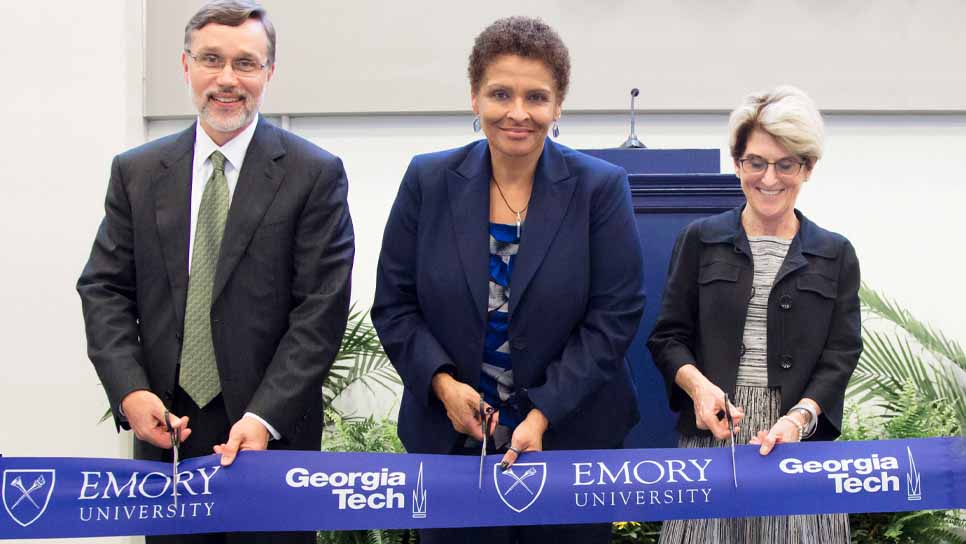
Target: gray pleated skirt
(762,407)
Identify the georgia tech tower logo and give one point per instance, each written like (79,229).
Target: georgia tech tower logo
(520,488)
(26,493)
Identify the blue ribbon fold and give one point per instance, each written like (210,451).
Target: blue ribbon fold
(289,491)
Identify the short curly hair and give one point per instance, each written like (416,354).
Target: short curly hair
(526,37)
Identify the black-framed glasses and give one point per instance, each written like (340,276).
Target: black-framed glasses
(787,167)
(215,63)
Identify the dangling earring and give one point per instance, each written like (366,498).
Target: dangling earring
(556,129)
(476,124)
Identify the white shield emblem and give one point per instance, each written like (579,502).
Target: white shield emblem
(520,485)
(26,493)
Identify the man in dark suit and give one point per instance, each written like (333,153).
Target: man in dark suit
(218,283)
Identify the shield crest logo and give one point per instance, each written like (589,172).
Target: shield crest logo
(520,485)
(26,493)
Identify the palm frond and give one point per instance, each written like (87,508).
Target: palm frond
(927,336)
(920,356)
(361,360)
(888,363)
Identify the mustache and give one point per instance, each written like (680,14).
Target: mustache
(234,92)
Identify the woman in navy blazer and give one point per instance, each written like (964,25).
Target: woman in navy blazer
(511,268)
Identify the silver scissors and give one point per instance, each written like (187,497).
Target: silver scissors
(731,429)
(486,415)
(175,444)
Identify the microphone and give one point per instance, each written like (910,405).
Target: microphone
(632,142)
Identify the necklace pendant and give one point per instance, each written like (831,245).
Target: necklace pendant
(518,225)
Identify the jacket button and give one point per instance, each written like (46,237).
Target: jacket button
(519,343)
(741,349)
(785,303)
(786,361)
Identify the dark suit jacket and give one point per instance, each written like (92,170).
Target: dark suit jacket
(281,291)
(576,294)
(814,327)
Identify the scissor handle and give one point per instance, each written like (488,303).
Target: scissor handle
(175,432)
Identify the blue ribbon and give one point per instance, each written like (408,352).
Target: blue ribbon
(288,491)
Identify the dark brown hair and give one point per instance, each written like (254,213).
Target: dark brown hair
(525,37)
(231,13)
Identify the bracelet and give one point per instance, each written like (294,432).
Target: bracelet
(812,418)
(799,426)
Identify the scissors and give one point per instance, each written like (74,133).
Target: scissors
(175,444)
(486,416)
(731,429)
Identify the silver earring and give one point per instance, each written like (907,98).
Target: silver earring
(476,124)
(556,130)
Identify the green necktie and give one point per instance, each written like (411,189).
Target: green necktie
(199,371)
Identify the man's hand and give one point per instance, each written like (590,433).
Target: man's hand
(247,434)
(462,404)
(145,412)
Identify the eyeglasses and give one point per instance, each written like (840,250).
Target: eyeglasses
(787,167)
(216,63)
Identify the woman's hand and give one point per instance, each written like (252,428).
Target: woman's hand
(528,436)
(782,431)
(462,404)
(709,402)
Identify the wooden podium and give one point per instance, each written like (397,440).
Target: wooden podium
(670,188)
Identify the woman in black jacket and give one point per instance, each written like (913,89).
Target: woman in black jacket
(761,304)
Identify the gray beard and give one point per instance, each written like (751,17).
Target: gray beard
(228,124)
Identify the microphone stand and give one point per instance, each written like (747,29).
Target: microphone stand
(632,142)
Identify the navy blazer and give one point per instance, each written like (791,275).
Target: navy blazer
(576,294)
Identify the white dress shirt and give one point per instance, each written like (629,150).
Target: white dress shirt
(234,151)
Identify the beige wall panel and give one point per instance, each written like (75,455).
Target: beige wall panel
(685,55)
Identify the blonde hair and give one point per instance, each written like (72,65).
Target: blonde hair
(787,114)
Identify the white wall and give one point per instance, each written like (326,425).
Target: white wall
(378,56)
(70,99)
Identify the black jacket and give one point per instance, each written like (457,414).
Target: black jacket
(814,326)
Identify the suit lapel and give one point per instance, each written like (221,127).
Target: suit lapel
(172,201)
(468,188)
(258,181)
(553,187)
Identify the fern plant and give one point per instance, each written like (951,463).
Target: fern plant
(916,417)
(916,353)
(363,435)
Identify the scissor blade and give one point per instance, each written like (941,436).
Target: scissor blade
(482,459)
(174,475)
(175,435)
(734,470)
